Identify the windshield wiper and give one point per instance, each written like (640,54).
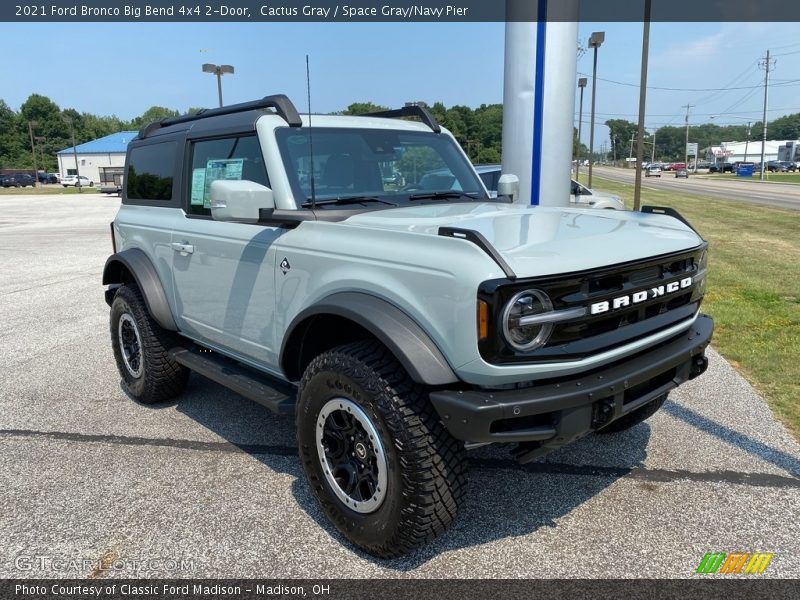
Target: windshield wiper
(343,200)
(442,195)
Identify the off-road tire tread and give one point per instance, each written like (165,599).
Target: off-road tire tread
(164,379)
(435,465)
(636,417)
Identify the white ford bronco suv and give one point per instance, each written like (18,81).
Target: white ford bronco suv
(354,270)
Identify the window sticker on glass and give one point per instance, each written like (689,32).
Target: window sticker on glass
(198,187)
(230,168)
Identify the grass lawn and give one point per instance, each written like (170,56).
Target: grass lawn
(753,288)
(50,189)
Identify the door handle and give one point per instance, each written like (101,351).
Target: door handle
(183,247)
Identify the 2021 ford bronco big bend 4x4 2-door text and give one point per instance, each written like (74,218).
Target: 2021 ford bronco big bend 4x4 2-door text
(357,273)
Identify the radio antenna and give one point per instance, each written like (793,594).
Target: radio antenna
(310,139)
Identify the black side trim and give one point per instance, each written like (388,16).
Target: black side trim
(670,212)
(146,277)
(420,357)
(481,242)
(414,110)
(280,102)
(276,395)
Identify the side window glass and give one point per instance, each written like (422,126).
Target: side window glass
(150,172)
(223,158)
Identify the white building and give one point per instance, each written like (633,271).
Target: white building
(731,152)
(99,160)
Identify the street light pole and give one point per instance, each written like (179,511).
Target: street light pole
(219,71)
(582,86)
(595,41)
(33,153)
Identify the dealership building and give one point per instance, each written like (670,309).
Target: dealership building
(100,160)
(732,152)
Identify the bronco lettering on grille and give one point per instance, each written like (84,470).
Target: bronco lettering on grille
(640,296)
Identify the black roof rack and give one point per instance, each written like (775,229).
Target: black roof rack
(280,102)
(412,110)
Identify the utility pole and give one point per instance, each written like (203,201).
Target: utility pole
(686,149)
(766,64)
(74,152)
(633,138)
(637,187)
(33,153)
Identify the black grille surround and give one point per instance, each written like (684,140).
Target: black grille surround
(592,334)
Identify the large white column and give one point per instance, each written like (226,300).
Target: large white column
(539,104)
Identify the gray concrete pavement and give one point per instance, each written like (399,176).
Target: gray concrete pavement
(776,195)
(213,479)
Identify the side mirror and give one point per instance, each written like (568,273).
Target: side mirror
(508,185)
(239,201)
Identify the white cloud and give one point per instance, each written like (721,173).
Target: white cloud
(687,54)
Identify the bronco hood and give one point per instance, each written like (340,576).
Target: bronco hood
(538,240)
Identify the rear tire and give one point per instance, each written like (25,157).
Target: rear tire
(634,418)
(365,392)
(141,349)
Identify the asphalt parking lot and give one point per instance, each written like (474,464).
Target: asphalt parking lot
(212,480)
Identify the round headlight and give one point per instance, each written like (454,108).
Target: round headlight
(524,334)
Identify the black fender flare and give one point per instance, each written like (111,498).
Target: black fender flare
(144,273)
(404,338)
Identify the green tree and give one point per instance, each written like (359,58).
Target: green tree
(361,108)
(152,114)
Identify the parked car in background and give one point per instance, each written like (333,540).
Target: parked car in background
(76,181)
(682,173)
(678,166)
(18,180)
(580,194)
(47,178)
(781,166)
(653,172)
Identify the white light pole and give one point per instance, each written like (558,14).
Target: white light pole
(219,71)
(595,41)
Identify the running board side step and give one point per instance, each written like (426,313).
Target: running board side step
(276,395)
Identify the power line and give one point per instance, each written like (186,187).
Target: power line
(671,89)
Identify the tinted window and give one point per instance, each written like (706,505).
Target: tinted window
(150,171)
(223,158)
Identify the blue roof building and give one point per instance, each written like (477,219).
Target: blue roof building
(101,161)
(114,143)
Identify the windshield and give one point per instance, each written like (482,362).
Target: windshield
(394,167)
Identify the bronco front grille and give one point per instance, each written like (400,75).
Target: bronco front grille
(591,334)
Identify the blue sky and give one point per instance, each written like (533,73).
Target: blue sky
(124,68)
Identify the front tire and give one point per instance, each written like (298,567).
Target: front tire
(634,418)
(141,349)
(384,469)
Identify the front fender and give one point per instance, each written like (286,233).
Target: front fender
(412,347)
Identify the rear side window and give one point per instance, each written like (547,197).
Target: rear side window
(150,172)
(223,158)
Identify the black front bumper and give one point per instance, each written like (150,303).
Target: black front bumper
(557,411)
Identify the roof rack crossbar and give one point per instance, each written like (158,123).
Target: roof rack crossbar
(413,110)
(280,102)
